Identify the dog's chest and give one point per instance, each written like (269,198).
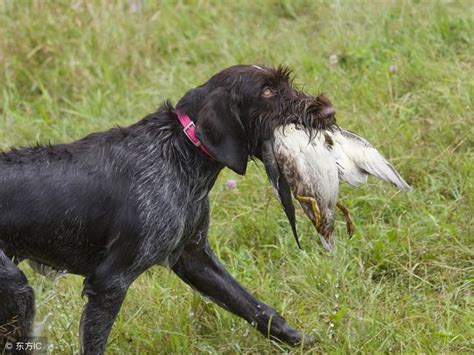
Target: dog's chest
(170,223)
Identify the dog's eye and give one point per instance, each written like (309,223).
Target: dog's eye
(267,92)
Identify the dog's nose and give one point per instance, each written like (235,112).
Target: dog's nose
(327,113)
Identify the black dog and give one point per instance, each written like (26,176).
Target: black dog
(115,203)
(17,305)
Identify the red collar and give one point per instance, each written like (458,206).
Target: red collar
(189,129)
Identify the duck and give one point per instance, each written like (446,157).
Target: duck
(309,165)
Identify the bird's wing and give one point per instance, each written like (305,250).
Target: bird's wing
(279,184)
(356,159)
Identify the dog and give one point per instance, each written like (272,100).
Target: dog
(17,306)
(115,203)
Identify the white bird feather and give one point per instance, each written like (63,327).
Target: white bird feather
(356,159)
(313,161)
(311,171)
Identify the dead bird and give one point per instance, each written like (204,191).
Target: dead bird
(310,166)
(306,163)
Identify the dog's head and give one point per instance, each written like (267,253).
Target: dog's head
(237,110)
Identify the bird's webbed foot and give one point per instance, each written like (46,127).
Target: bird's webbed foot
(347,216)
(314,207)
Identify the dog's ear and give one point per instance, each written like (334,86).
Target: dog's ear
(220,129)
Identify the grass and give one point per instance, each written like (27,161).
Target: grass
(403,283)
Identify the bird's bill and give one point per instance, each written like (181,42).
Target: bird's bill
(281,188)
(328,241)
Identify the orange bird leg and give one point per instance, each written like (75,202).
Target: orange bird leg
(347,216)
(315,208)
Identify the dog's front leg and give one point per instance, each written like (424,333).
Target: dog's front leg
(200,268)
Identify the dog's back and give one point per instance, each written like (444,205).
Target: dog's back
(17,303)
(56,194)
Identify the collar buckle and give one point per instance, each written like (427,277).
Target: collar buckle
(186,129)
(189,129)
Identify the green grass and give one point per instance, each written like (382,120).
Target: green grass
(404,283)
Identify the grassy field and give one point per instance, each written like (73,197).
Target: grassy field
(399,73)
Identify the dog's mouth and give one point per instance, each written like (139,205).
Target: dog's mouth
(312,113)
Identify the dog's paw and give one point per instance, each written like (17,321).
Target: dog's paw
(309,341)
(295,338)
